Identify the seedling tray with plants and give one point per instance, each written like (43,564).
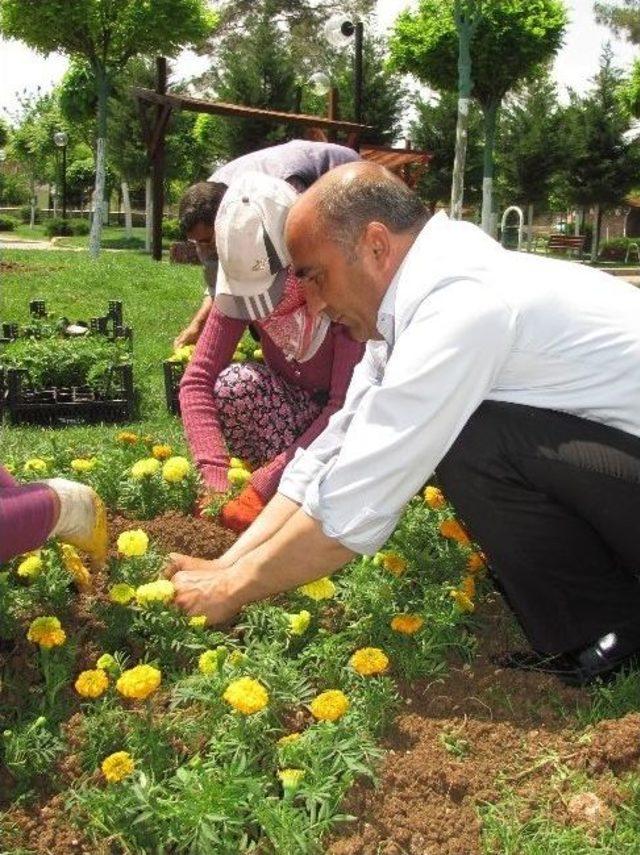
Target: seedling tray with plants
(50,371)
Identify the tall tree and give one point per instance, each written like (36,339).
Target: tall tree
(512,39)
(532,147)
(602,163)
(105,33)
(622,17)
(435,129)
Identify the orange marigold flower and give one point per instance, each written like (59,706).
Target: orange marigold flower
(476,563)
(468,586)
(161,452)
(394,563)
(454,531)
(127,438)
(433,498)
(407,624)
(462,600)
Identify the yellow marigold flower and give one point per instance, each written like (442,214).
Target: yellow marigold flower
(117,766)
(161,452)
(139,682)
(330,705)
(127,438)
(407,624)
(133,543)
(107,663)
(468,586)
(182,354)
(36,464)
(394,563)
(121,593)
(320,589)
(290,778)
(476,563)
(83,464)
(74,566)
(236,657)
(47,632)
(176,469)
(92,684)
(209,662)
(160,591)
(299,623)
(433,498)
(462,600)
(246,695)
(145,468)
(31,566)
(454,531)
(239,463)
(198,621)
(258,354)
(238,476)
(369,660)
(288,739)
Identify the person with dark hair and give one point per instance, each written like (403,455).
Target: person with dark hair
(299,162)
(261,413)
(516,378)
(31,513)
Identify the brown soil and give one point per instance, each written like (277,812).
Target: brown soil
(173,532)
(459,740)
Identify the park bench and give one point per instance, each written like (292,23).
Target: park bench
(573,243)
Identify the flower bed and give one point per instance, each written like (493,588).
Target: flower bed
(130,723)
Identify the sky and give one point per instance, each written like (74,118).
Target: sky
(23,69)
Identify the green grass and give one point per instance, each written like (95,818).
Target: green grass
(158,300)
(113,237)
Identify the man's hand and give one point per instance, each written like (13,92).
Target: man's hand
(177,563)
(189,335)
(203,591)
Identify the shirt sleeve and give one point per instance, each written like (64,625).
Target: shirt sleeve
(442,366)
(213,352)
(307,462)
(346,354)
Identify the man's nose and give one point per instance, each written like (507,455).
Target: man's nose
(315,303)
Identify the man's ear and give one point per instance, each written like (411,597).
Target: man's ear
(377,239)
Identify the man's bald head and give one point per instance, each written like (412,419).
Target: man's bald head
(345,200)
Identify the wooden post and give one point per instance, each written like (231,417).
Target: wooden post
(333,111)
(157,166)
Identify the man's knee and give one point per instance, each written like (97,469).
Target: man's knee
(477,442)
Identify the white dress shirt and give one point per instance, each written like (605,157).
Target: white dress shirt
(464,321)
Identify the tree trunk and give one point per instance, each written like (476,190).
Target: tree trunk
(490,121)
(32,202)
(595,237)
(126,204)
(466,23)
(101,147)
(529,226)
(148,213)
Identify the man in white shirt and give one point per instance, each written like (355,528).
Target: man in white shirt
(516,378)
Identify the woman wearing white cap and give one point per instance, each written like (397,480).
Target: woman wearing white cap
(262,413)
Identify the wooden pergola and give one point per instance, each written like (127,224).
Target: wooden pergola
(156,107)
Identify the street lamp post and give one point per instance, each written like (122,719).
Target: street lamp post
(60,139)
(338,31)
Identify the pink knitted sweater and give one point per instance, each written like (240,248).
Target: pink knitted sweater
(328,371)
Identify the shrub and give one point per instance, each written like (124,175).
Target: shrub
(172,230)
(25,214)
(7,224)
(80,227)
(56,226)
(616,249)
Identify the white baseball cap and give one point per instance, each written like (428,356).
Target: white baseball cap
(253,258)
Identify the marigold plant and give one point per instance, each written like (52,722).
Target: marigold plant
(92,684)
(238,476)
(74,566)
(369,660)
(330,705)
(160,591)
(476,563)
(139,683)
(37,465)
(145,468)
(320,589)
(176,469)
(161,452)
(121,593)
(31,566)
(198,621)
(126,437)
(246,695)
(133,543)
(452,530)
(83,464)
(462,600)
(47,632)
(106,662)
(117,766)
(407,624)
(299,623)
(434,498)
(290,778)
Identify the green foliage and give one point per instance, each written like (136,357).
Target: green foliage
(7,224)
(172,230)
(25,214)
(66,361)
(622,17)
(30,750)
(57,226)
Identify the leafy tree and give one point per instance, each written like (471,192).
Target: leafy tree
(105,33)
(512,39)
(4,133)
(435,129)
(623,18)
(532,147)
(602,164)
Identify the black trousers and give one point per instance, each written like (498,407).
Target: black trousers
(554,502)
